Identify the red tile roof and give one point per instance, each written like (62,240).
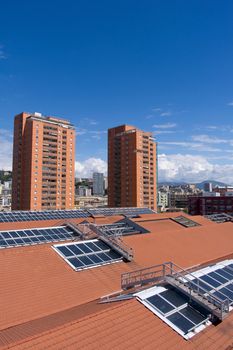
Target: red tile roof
(40,293)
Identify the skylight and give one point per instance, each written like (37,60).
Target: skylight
(189,302)
(83,255)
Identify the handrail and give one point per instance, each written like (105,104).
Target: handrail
(126,251)
(209,297)
(169,269)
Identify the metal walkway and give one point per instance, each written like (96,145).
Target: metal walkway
(183,280)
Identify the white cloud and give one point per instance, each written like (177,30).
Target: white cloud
(159,132)
(6,147)
(2,53)
(209,139)
(189,168)
(90,165)
(197,146)
(165,114)
(230,103)
(164,126)
(80,131)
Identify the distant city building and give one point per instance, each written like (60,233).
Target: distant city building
(208,187)
(178,200)
(223,189)
(207,205)
(105,184)
(175,197)
(84,191)
(163,199)
(91,201)
(132,168)
(98,184)
(43,163)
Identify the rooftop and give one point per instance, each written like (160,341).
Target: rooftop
(45,303)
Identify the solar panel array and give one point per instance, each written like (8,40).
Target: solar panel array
(186,222)
(118,211)
(41,215)
(34,236)
(174,308)
(220,218)
(15,216)
(83,255)
(219,282)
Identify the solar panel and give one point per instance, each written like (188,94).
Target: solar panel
(186,222)
(83,255)
(9,239)
(174,308)
(120,211)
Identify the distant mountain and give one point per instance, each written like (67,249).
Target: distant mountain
(171,183)
(200,185)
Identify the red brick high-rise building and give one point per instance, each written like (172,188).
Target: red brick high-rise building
(43,163)
(132,168)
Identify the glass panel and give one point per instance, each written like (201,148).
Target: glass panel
(160,304)
(226,275)
(227,292)
(5,235)
(181,322)
(192,315)
(84,248)
(75,249)
(102,245)
(104,257)
(76,262)
(217,277)
(174,298)
(10,242)
(113,255)
(85,260)
(220,296)
(230,286)
(95,258)
(228,270)
(93,246)
(14,234)
(210,280)
(65,251)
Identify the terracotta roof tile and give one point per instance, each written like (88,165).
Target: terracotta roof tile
(37,285)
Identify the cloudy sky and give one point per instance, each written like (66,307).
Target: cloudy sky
(164,66)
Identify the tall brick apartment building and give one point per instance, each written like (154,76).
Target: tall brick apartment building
(43,163)
(132,168)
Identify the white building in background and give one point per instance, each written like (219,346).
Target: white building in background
(98,184)
(84,191)
(163,199)
(105,184)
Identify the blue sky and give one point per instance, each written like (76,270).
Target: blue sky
(164,66)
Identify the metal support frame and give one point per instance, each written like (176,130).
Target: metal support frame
(180,278)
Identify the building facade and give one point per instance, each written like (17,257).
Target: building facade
(208,205)
(43,163)
(98,184)
(132,168)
